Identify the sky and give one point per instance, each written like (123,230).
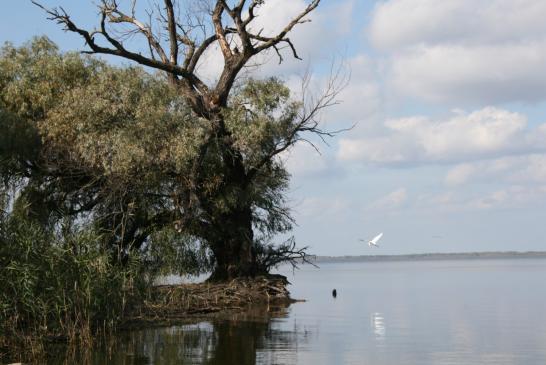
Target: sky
(447,103)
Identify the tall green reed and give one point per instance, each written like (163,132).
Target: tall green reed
(59,287)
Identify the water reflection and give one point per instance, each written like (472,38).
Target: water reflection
(425,313)
(245,339)
(378,326)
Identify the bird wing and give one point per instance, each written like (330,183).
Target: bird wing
(377,238)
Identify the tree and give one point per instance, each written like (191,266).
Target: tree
(233,182)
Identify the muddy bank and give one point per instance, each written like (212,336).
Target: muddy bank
(191,302)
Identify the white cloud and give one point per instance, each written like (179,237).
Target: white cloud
(472,74)
(507,197)
(312,43)
(460,174)
(486,133)
(210,65)
(318,207)
(463,51)
(392,200)
(399,23)
(533,169)
(360,100)
(523,170)
(303,160)
(316,41)
(396,23)
(491,200)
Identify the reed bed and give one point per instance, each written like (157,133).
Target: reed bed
(58,290)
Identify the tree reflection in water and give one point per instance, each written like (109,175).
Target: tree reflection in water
(255,336)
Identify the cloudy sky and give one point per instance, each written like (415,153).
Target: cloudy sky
(448,103)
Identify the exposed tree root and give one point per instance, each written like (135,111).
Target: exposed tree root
(186,301)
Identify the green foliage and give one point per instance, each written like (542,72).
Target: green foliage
(119,152)
(109,179)
(124,124)
(262,118)
(111,121)
(59,287)
(170,252)
(32,77)
(19,143)
(119,147)
(91,142)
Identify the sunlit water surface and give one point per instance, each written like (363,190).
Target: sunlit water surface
(407,312)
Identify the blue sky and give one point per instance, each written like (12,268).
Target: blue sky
(448,98)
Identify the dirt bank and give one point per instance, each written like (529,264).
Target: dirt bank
(186,302)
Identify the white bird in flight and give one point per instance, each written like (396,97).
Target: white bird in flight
(373,242)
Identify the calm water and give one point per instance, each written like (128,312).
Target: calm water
(410,312)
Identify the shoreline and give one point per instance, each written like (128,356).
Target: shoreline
(191,302)
(433,256)
(249,299)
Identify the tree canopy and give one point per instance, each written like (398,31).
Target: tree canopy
(138,153)
(116,149)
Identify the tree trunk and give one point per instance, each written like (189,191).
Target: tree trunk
(233,237)
(232,247)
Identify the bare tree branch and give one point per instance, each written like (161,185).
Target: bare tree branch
(270,256)
(219,29)
(282,35)
(204,100)
(308,120)
(173,36)
(114,15)
(251,9)
(61,17)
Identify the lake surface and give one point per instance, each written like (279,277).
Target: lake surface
(406,312)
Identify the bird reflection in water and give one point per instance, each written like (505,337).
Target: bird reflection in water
(378,325)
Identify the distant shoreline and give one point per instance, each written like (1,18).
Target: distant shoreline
(433,256)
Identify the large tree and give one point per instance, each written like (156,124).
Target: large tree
(232,183)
